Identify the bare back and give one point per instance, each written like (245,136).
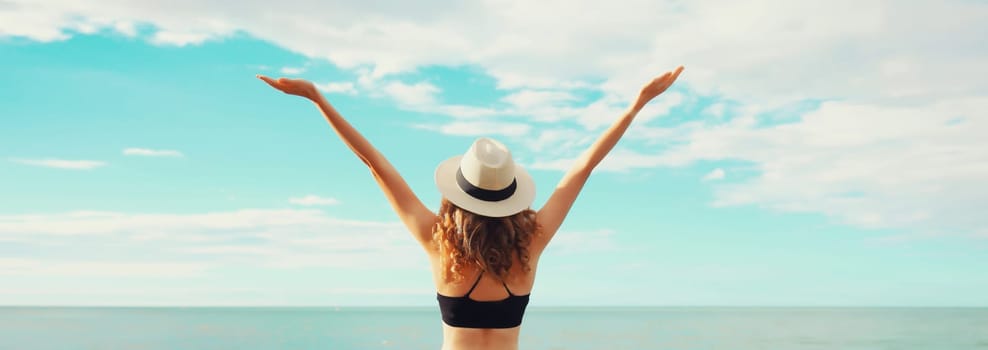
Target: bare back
(489,288)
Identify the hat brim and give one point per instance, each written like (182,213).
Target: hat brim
(522,198)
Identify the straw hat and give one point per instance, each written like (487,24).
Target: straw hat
(486,180)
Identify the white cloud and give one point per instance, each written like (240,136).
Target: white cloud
(598,114)
(918,167)
(570,242)
(869,165)
(314,200)
(658,107)
(34,267)
(95,223)
(716,174)
(343,88)
(716,109)
(178,38)
(61,163)
(559,164)
(284,238)
(557,140)
(872,51)
(195,295)
(480,128)
(135,253)
(292,70)
(229,250)
(151,152)
(423,97)
(554,48)
(527,99)
(619,160)
(33,21)
(872,56)
(420,94)
(194,244)
(461,111)
(126,28)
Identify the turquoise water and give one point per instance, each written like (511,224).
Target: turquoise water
(544,328)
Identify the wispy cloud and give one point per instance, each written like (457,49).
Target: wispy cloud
(423,97)
(527,99)
(314,200)
(189,244)
(184,37)
(619,160)
(343,88)
(559,164)
(569,242)
(126,28)
(195,294)
(716,109)
(184,225)
(63,268)
(61,163)
(487,35)
(870,165)
(480,128)
(283,238)
(716,174)
(419,94)
(292,70)
(145,152)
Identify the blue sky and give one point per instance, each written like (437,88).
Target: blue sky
(807,156)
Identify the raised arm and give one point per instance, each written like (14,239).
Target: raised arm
(551,216)
(410,209)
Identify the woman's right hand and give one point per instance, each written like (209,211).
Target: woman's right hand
(297,87)
(656,87)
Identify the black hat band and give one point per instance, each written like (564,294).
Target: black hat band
(483,194)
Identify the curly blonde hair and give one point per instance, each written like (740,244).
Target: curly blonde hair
(466,239)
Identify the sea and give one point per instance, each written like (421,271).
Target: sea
(557,328)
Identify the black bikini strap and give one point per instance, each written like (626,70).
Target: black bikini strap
(475,283)
(506,288)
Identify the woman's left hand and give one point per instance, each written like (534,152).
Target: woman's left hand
(297,87)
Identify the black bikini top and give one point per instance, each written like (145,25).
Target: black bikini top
(468,313)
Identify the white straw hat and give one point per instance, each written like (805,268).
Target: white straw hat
(486,181)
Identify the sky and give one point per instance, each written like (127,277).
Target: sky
(813,153)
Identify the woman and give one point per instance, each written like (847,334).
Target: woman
(484,245)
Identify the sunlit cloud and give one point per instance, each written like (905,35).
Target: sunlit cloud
(61,163)
(292,70)
(313,200)
(146,152)
(342,88)
(716,174)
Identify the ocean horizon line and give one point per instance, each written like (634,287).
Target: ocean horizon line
(536,307)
